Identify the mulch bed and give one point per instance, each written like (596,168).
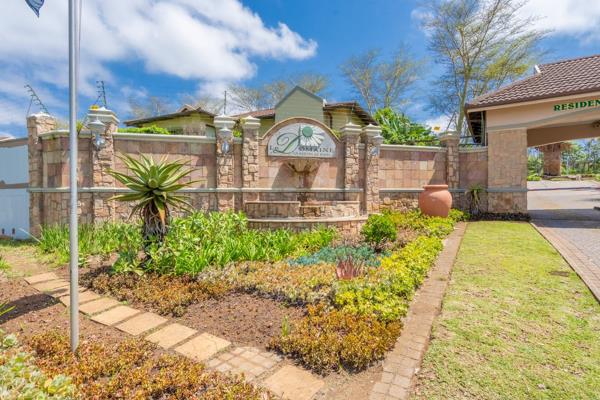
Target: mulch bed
(35,312)
(244,319)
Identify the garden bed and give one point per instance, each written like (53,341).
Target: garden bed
(330,305)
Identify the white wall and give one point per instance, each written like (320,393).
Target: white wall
(14,203)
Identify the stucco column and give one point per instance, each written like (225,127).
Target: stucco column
(102,153)
(250,128)
(507,171)
(450,141)
(350,138)
(36,125)
(225,164)
(373,140)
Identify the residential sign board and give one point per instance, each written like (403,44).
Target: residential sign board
(577,105)
(301,140)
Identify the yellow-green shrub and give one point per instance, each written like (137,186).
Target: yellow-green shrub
(385,292)
(330,340)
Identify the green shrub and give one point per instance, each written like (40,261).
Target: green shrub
(534,177)
(386,291)
(153,129)
(330,340)
(423,224)
(378,230)
(4,264)
(200,240)
(130,370)
(361,254)
(101,239)
(20,378)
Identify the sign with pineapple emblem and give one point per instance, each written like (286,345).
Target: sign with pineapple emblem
(301,140)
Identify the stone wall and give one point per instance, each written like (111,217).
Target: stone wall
(237,173)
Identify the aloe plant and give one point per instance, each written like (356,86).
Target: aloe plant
(154,186)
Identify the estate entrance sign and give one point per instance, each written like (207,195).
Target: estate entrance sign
(301,140)
(577,104)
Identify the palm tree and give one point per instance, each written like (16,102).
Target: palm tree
(154,186)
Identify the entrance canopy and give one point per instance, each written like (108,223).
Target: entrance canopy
(559,102)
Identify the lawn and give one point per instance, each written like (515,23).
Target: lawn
(517,323)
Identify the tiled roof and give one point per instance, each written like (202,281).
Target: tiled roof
(183,111)
(269,112)
(562,78)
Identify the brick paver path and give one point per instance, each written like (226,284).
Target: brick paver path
(402,363)
(563,212)
(263,368)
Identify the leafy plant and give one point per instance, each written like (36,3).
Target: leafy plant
(378,230)
(348,269)
(153,129)
(20,378)
(331,254)
(330,340)
(101,239)
(474,195)
(4,308)
(399,129)
(202,240)
(3,264)
(154,187)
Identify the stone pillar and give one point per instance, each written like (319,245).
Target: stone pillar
(225,164)
(103,158)
(373,140)
(553,158)
(36,125)
(250,176)
(350,138)
(507,171)
(450,141)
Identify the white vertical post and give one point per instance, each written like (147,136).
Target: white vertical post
(73,235)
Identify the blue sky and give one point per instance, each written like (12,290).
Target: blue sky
(195,47)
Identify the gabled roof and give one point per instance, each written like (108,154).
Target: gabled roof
(298,89)
(182,112)
(562,78)
(351,105)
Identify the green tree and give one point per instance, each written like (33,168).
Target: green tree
(482,44)
(397,128)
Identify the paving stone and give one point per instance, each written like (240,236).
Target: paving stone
(141,323)
(203,347)
(398,392)
(171,335)
(402,381)
(115,315)
(51,285)
(83,297)
(97,306)
(294,383)
(48,276)
(381,387)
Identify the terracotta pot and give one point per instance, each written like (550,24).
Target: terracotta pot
(435,200)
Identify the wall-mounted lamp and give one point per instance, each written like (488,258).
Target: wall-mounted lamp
(377,141)
(97,128)
(226,136)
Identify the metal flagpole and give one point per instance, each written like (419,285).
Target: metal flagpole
(73,236)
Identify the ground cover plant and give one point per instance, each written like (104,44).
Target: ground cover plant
(517,322)
(354,294)
(20,378)
(132,370)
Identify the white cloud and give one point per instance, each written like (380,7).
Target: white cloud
(209,41)
(579,18)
